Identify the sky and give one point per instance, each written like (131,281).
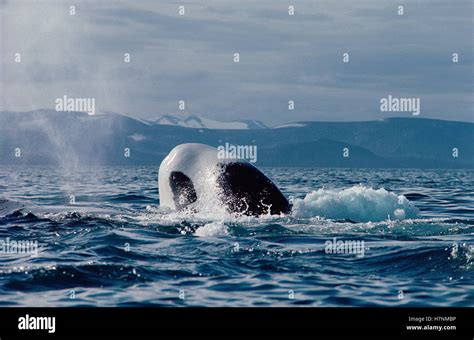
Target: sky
(283,57)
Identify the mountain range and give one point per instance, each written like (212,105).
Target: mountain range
(71,139)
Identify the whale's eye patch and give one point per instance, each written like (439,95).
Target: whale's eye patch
(183,190)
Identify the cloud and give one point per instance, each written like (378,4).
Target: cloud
(283,57)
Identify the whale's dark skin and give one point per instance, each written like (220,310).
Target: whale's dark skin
(244,189)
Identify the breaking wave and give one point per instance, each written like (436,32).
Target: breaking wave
(358,204)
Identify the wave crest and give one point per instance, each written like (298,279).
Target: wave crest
(358,203)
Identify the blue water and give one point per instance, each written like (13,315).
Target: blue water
(116,247)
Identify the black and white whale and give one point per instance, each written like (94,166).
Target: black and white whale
(193,177)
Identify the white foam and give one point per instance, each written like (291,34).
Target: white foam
(358,203)
(211,230)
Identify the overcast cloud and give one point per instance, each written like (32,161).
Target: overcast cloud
(282,57)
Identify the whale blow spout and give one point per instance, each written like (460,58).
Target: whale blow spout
(192,177)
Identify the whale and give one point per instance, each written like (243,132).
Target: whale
(193,177)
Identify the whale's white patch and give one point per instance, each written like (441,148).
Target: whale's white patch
(199,163)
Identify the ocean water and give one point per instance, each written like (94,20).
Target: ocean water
(412,233)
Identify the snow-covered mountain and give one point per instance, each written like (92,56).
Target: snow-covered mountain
(198,122)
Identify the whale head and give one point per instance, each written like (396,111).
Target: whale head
(192,177)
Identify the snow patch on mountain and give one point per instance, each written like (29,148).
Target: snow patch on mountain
(290,125)
(137,137)
(199,122)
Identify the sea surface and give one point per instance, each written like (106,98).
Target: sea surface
(103,240)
